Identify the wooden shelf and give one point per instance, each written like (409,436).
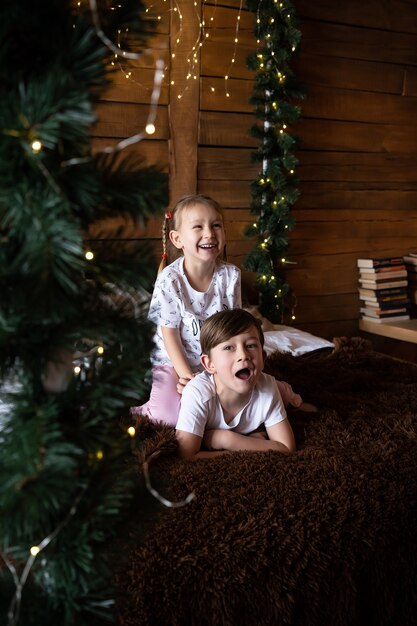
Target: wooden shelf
(404,331)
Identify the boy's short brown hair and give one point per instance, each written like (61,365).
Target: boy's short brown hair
(223,326)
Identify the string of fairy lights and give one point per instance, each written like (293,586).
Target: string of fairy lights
(36,549)
(35,146)
(276,188)
(204,15)
(13,613)
(273,192)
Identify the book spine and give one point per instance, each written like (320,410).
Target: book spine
(386,269)
(379,320)
(380,262)
(383,276)
(384,288)
(387,306)
(382,314)
(391,292)
(369,284)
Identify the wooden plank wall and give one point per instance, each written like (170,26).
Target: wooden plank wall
(225,142)
(203,136)
(358,138)
(123,112)
(358,152)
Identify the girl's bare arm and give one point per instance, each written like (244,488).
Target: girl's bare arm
(175,350)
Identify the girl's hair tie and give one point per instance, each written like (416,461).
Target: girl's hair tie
(164,255)
(168,215)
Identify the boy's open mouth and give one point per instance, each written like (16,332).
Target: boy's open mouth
(244,373)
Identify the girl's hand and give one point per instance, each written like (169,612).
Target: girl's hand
(182,381)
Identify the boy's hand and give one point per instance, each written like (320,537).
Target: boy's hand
(230,440)
(259,434)
(220,439)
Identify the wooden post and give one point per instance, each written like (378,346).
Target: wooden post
(183,111)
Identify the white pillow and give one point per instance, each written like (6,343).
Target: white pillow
(293,340)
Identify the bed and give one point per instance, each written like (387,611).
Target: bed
(326,536)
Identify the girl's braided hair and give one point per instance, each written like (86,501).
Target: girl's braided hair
(172,220)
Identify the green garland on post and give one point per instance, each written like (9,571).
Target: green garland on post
(276,188)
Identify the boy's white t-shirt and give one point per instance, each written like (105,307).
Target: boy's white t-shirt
(176,304)
(201,410)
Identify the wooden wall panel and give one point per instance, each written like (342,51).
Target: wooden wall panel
(226,164)
(358,138)
(353,166)
(234,96)
(331,39)
(184,102)
(121,119)
(345,73)
(358,152)
(232,193)
(218,53)
(316,195)
(134,90)
(389,16)
(332,135)
(360,106)
(226,129)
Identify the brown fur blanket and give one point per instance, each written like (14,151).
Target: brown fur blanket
(326,536)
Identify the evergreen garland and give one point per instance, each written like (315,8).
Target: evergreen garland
(73,351)
(276,188)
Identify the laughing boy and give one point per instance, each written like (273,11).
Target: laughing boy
(227,406)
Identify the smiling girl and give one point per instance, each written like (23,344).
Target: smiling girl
(189,290)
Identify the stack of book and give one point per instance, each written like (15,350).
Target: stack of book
(383,289)
(410,261)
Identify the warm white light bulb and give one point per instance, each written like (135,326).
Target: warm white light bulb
(36,146)
(35,550)
(150,129)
